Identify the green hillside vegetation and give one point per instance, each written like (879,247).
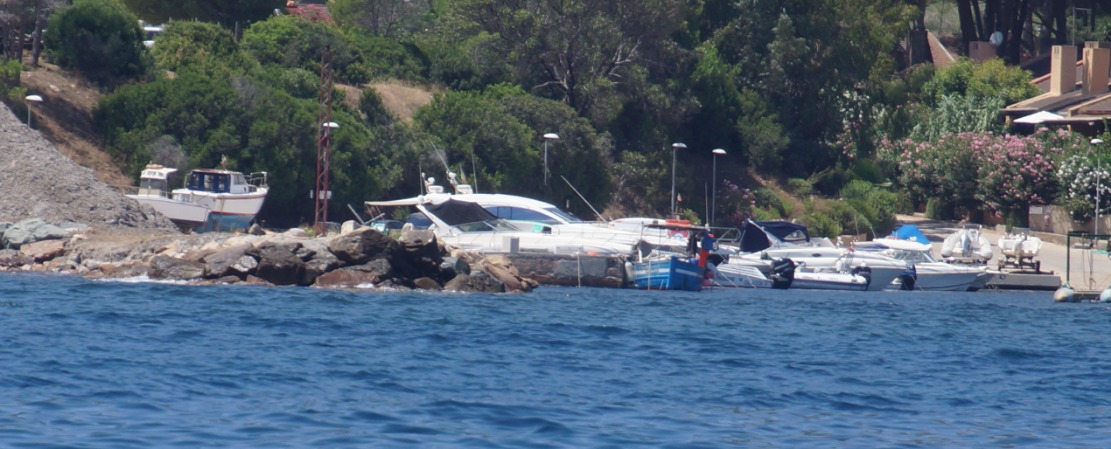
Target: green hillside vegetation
(820,119)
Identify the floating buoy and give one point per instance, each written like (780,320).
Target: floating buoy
(1064,294)
(1105,295)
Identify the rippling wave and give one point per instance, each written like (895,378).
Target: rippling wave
(119,365)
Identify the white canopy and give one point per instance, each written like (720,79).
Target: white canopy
(1038,117)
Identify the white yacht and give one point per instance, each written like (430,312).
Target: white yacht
(467,225)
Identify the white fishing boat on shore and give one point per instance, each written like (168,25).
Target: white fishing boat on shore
(211,200)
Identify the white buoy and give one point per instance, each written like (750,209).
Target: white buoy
(1064,294)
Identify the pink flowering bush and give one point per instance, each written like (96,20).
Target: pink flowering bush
(1014,172)
(1006,173)
(944,169)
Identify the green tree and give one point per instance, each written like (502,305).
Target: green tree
(576,51)
(476,130)
(190,44)
(377,17)
(226,12)
(101,38)
(290,41)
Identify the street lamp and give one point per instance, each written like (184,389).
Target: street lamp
(31,99)
(714,199)
(1099,174)
(674,147)
(547,137)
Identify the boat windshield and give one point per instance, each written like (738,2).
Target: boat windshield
(566,216)
(908,256)
(487,226)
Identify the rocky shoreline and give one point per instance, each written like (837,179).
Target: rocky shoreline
(56,216)
(358,258)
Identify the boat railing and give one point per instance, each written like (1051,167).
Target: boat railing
(257,179)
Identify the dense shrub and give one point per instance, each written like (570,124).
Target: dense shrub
(100,38)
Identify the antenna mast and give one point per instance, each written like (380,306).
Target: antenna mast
(324,125)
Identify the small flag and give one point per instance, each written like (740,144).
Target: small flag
(679,197)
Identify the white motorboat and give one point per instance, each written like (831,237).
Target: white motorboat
(966,246)
(467,225)
(784,273)
(926,272)
(768,241)
(211,200)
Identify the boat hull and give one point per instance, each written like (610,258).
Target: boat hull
(206,212)
(668,274)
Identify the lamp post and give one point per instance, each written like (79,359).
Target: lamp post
(31,99)
(714,199)
(1099,174)
(547,137)
(674,148)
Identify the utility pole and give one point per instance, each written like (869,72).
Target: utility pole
(324,125)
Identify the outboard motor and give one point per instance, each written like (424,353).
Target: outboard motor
(783,273)
(908,278)
(864,271)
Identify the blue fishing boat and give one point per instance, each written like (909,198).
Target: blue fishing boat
(672,273)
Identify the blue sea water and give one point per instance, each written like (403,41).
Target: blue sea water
(87,364)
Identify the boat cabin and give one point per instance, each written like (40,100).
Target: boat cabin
(219,181)
(154,180)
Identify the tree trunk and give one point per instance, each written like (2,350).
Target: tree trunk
(968,23)
(36,37)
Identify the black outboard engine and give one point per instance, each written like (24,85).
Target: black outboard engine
(783,273)
(908,278)
(864,271)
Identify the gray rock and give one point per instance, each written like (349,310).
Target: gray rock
(219,263)
(460,283)
(361,245)
(374,272)
(482,282)
(32,230)
(10,258)
(166,267)
(278,265)
(245,265)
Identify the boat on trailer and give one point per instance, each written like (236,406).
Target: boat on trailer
(211,199)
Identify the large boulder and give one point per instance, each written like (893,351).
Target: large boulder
(374,272)
(278,264)
(221,262)
(43,250)
(419,254)
(167,267)
(480,281)
(32,230)
(361,245)
(318,260)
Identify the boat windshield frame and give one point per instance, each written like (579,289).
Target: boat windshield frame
(564,215)
(492,225)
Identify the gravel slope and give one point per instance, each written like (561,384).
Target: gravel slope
(36,181)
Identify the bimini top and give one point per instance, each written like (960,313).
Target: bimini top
(761,235)
(455,212)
